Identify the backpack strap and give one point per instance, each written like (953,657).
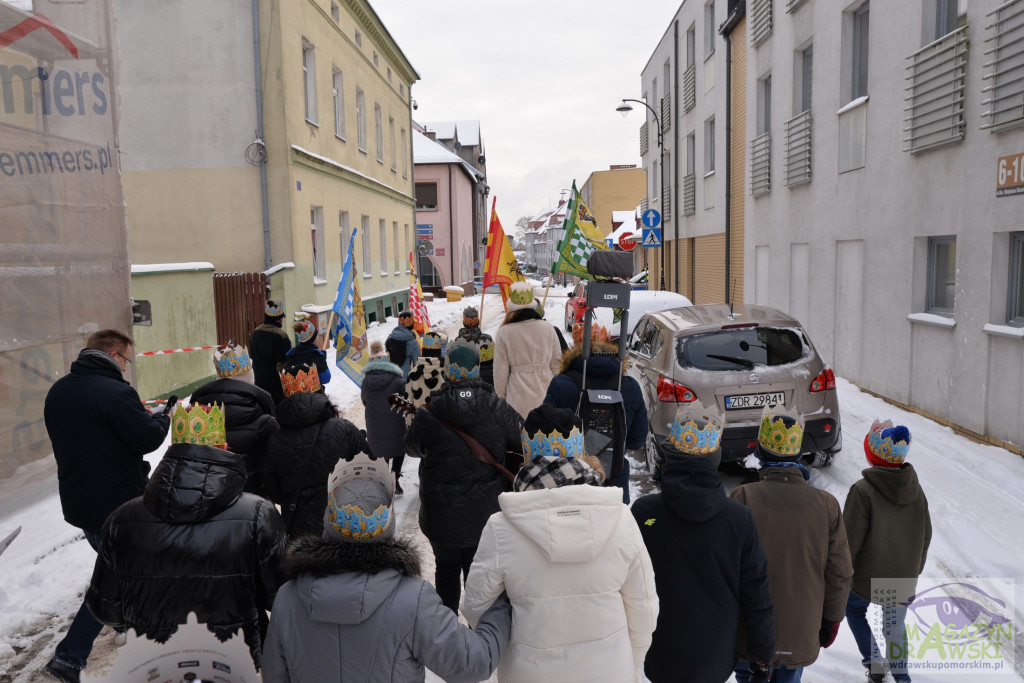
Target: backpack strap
(475,447)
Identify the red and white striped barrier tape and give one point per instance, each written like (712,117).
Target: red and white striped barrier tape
(189,348)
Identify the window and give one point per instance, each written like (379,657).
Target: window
(802,70)
(691,39)
(946,20)
(389,75)
(335,11)
(359,38)
(316,229)
(338,90)
(858,71)
(367,246)
(709,145)
(401,90)
(709,29)
(361,118)
(343,235)
(379,130)
(941,275)
(1015,315)
(383,228)
(426,196)
(394,145)
(764,105)
(691,153)
(729,350)
(405,157)
(398,260)
(408,249)
(309,78)
(376,58)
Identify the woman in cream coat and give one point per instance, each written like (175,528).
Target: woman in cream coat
(526,351)
(570,556)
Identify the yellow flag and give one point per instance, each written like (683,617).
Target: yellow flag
(501,268)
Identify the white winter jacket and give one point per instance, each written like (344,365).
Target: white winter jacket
(580,581)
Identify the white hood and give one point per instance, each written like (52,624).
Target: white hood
(568,524)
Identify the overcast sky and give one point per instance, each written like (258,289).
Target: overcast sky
(542,77)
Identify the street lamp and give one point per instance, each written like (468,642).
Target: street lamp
(624,109)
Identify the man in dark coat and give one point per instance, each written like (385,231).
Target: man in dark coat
(268,346)
(248,410)
(603,371)
(709,568)
(194,542)
(458,492)
(403,338)
(385,428)
(471,332)
(100,432)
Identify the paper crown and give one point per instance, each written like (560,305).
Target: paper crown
(776,437)
(463,362)
(232,362)
(696,431)
(199,424)
(360,512)
(520,293)
(304,331)
(486,352)
(274,308)
(305,380)
(433,340)
(597,333)
(888,444)
(553,444)
(470,316)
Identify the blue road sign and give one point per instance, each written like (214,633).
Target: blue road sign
(651,219)
(652,236)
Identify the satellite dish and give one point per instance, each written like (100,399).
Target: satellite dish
(457,145)
(425,247)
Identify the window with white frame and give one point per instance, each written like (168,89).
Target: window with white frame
(709,29)
(394,234)
(408,249)
(309,79)
(338,90)
(405,156)
(343,235)
(764,105)
(379,128)
(691,39)
(802,71)
(394,144)
(855,52)
(709,145)
(942,17)
(364,224)
(361,118)
(1015,301)
(426,196)
(316,229)
(941,290)
(382,226)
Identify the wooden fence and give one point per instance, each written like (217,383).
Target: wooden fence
(239,299)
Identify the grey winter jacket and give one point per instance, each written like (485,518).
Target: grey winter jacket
(412,347)
(359,612)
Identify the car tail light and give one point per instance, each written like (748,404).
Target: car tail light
(671,392)
(824,381)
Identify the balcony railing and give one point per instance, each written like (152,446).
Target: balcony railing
(643,204)
(798,149)
(689,88)
(791,5)
(643,138)
(760,164)
(1005,72)
(666,202)
(666,113)
(690,194)
(937,85)
(760,21)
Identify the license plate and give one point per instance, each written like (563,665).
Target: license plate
(774,398)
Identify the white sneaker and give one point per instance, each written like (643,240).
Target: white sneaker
(120,639)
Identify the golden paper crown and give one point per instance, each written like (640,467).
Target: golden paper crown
(199,424)
(303,382)
(521,293)
(776,437)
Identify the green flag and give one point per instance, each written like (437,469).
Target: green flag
(582,238)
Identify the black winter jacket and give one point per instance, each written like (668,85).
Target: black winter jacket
(458,492)
(385,428)
(711,575)
(99,431)
(306,353)
(193,543)
(297,471)
(249,418)
(268,345)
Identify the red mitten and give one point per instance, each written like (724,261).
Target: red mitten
(828,632)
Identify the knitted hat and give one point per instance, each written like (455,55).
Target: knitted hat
(551,431)
(300,379)
(470,317)
(199,424)
(781,436)
(549,472)
(274,308)
(597,333)
(304,330)
(463,363)
(234,362)
(360,495)
(520,296)
(885,445)
(696,431)
(377,349)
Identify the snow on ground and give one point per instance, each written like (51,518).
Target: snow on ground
(973,492)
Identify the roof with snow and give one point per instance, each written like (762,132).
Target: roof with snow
(623,217)
(466,132)
(427,151)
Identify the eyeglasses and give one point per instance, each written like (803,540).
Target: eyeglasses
(127,360)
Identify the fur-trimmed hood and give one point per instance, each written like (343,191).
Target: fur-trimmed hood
(573,355)
(382,365)
(320,557)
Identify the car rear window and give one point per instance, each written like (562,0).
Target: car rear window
(741,348)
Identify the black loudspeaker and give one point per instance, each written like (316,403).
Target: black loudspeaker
(610,264)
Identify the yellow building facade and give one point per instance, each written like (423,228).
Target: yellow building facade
(620,188)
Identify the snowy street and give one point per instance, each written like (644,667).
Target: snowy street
(975,505)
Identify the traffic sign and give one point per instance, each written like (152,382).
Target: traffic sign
(627,241)
(651,219)
(652,237)
(476,265)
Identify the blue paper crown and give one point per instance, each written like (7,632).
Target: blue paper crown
(689,438)
(306,333)
(890,445)
(351,522)
(457,373)
(554,445)
(232,362)
(273,308)
(432,340)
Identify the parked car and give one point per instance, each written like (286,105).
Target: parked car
(639,281)
(640,302)
(740,361)
(575,305)
(478,283)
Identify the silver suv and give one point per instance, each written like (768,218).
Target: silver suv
(739,360)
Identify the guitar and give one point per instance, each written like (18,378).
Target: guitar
(513,460)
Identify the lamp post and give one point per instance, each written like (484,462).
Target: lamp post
(624,109)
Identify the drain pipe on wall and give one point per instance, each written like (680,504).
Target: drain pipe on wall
(677,214)
(267,259)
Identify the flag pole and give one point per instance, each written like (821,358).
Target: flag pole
(327,337)
(551,276)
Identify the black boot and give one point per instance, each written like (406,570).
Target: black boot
(398,488)
(62,672)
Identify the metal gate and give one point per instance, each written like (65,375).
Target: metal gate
(239,299)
